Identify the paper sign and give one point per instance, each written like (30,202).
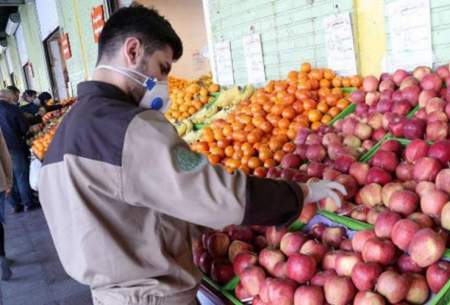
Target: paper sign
(254,60)
(339,43)
(224,63)
(410,34)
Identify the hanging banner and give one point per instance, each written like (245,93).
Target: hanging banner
(254,60)
(98,21)
(224,63)
(65,45)
(340,44)
(410,34)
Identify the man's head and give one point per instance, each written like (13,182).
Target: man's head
(29,95)
(16,93)
(44,97)
(7,95)
(137,38)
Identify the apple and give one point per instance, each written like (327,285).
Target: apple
(238,247)
(242,233)
(438,274)
(371,194)
(360,213)
(260,242)
(365,275)
(432,202)
(406,264)
(314,249)
(264,292)
(241,293)
(378,175)
(404,202)
(368,298)
(424,186)
(308,212)
(280,270)
(445,216)
(422,220)
(221,272)
(345,263)
(301,268)
(389,189)
(426,169)
(274,235)
(346,245)
(426,247)
(403,232)
(393,286)
(321,277)
(443,180)
(217,244)
(359,171)
(385,222)
(268,258)
(317,230)
(373,214)
(404,171)
(333,236)
(244,260)
(281,292)
(360,238)
(386,160)
(292,242)
(329,260)
(339,290)
(205,262)
(309,295)
(378,250)
(252,279)
(257,301)
(418,292)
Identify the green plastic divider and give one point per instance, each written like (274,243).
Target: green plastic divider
(352,224)
(348,110)
(413,112)
(296,226)
(231,285)
(447,254)
(369,154)
(349,89)
(227,294)
(443,297)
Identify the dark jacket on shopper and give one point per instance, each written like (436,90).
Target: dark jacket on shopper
(123,196)
(13,125)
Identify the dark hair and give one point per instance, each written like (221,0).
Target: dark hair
(154,31)
(29,93)
(14,89)
(44,97)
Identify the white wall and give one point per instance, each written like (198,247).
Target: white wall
(187,19)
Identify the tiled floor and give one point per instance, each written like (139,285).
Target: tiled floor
(38,277)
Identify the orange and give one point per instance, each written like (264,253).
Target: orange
(213,159)
(260,172)
(325,83)
(229,151)
(323,107)
(289,147)
(326,119)
(356,81)
(346,82)
(315,125)
(334,111)
(284,123)
(275,144)
(329,74)
(342,104)
(265,154)
(331,100)
(269,163)
(254,162)
(298,107)
(293,75)
(288,113)
(309,104)
(305,67)
(314,115)
(278,156)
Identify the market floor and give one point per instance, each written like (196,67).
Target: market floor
(38,277)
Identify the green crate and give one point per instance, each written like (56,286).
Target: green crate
(347,111)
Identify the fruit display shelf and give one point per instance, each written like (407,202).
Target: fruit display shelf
(351,226)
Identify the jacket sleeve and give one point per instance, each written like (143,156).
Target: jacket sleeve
(5,161)
(160,171)
(22,122)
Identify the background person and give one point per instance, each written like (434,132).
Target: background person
(16,94)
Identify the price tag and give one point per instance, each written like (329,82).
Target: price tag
(254,60)
(224,63)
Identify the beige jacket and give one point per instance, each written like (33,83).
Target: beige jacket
(123,196)
(6,173)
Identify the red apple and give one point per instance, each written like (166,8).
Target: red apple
(339,290)
(426,169)
(445,216)
(373,214)
(360,213)
(301,268)
(309,295)
(371,194)
(217,244)
(404,171)
(389,189)
(333,236)
(360,238)
(274,235)
(426,248)
(424,186)
(415,150)
(368,298)
(359,171)
(281,292)
(244,260)
(252,279)
(403,202)
(423,220)
(329,260)
(308,212)
(238,247)
(280,270)
(345,263)
(241,293)
(314,249)
(403,233)
(436,131)
(418,292)
(393,286)
(440,151)
(260,242)
(292,242)
(443,180)
(378,175)
(222,272)
(406,264)
(242,233)
(321,277)
(438,274)
(205,262)
(385,223)
(379,251)
(346,245)
(432,202)
(317,230)
(268,258)
(363,131)
(365,275)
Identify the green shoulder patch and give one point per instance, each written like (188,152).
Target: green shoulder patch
(187,160)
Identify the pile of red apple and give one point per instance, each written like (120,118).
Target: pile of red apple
(397,262)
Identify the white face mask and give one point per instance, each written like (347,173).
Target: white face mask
(156,96)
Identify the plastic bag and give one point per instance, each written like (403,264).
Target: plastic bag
(35,168)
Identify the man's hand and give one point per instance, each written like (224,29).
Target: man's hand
(7,192)
(316,191)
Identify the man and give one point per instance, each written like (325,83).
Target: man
(15,128)
(6,179)
(123,195)
(16,94)
(30,107)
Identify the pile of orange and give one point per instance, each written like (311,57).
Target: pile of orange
(176,83)
(187,100)
(41,142)
(258,134)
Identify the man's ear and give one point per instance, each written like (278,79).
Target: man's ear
(132,50)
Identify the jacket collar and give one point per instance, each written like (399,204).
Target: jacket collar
(91,89)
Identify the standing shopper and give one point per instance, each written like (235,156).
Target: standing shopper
(6,179)
(15,128)
(123,195)
(16,94)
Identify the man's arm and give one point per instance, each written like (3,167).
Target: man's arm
(160,171)
(5,160)
(21,121)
